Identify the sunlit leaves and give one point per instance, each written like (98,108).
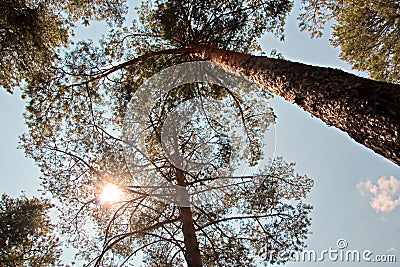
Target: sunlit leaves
(75,116)
(366,31)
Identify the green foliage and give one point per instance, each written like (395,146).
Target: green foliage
(75,116)
(26,234)
(247,222)
(367,32)
(315,14)
(32,31)
(28,34)
(227,24)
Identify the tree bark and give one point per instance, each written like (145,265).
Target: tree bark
(368,111)
(192,251)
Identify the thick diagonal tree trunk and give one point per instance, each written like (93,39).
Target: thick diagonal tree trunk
(368,111)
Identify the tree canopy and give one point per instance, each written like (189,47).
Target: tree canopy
(229,24)
(76,116)
(32,33)
(26,233)
(367,33)
(237,220)
(80,105)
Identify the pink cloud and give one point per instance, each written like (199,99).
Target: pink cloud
(385,193)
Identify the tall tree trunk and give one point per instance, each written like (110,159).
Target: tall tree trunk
(192,251)
(368,111)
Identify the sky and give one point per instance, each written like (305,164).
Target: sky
(356,196)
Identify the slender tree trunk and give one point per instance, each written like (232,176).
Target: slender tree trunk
(192,252)
(368,111)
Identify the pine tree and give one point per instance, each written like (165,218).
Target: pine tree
(76,117)
(26,233)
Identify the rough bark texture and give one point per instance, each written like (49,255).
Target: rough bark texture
(192,252)
(368,111)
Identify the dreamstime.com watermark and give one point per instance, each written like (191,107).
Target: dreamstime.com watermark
(340,253)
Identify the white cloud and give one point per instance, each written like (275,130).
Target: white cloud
(385,193)
(391,250)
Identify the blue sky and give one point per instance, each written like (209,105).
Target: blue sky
(336,163)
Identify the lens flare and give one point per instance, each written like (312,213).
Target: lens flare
(110,194)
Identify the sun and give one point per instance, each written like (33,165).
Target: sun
(110,194)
